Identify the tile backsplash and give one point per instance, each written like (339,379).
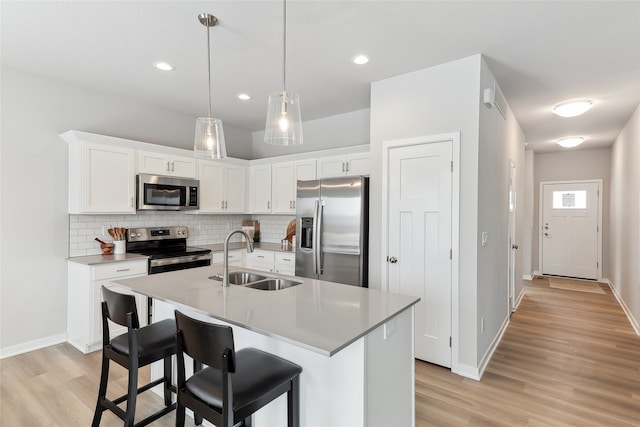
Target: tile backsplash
(203,229)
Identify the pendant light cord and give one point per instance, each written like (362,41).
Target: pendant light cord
(284,44)
(209,62)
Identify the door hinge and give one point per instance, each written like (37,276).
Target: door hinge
(597,265)
(450,253)
(449,341)
(452,166)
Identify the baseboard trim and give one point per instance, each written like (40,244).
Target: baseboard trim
(519,299)
(467,371)
(26,347)
(492,348)
(527,277)
(634,323)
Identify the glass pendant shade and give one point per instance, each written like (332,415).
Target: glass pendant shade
(284,123)
(209,140)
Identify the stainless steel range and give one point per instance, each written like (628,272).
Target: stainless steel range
(166,248)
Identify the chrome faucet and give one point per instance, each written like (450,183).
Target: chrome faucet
(225,271)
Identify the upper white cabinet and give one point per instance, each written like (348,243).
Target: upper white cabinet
(284,178)
(350,165)
(101,177)
(260,188)
(164,164)
(222,187)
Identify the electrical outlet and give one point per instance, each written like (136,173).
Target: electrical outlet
(482,325)
(485,238)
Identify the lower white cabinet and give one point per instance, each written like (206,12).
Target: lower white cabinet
(285,263)
(84,299)
(260,260)
(235,257)
(273,262)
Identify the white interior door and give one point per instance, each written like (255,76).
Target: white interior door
(570,228)
(419,187)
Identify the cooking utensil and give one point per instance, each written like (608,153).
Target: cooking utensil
(100,241)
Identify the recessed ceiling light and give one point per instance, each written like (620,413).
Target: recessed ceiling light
(360,59)
(164,66)
(244,96)
(572,109)
(569,142)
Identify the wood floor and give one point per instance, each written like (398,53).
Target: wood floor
(568,358)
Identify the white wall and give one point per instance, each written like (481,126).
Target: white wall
(624,242)
(34,224)
(527,204)
(500,141)
(567,166)
(344,130)
(437,100)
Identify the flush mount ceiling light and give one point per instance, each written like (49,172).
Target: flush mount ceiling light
(283,125)
(360,59)
(569,142)
(572,109)
(209,140)
(163,66)
(244,96)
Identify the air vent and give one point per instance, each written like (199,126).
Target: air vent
(499,101)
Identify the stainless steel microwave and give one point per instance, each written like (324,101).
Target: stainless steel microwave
(166,193)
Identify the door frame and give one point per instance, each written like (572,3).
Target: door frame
(454,137)
(541,213)
(512,231)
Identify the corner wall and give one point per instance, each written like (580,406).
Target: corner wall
(624,222)
(433,101)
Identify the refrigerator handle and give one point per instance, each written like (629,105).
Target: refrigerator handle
(318,238)
(314,242)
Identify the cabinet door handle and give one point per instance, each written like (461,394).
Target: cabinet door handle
(260,256)
(167,167)
(343,167)
(294,204)
(348,167)
(286,259)
(131,202)
(226,206)
(268,205)
(173,166)
(222,204)
(123,269)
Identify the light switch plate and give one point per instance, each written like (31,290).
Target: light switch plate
(485,238)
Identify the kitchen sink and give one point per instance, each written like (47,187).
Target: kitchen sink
(240,277)
(273,284)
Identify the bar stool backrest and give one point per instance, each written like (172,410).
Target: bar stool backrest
(207,343)
(118,306)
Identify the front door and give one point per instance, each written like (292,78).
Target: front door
(419,195)
(570,228)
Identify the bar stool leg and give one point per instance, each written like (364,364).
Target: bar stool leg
(293,403)
(102,392)
(167,381)
(132,394)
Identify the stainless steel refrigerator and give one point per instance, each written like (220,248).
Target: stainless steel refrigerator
(332,230)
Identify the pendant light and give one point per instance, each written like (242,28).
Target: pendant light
(284,125)
(209,140)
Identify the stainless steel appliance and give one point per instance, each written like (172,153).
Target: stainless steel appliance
(166,193)
(332,229)
(167,250)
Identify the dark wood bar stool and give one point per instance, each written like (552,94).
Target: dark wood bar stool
(234,385)
(132,350)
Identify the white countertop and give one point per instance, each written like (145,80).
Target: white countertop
(320,316)
(106,259)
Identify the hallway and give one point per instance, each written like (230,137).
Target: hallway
(568,358)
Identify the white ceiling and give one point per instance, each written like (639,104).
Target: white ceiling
(541,52)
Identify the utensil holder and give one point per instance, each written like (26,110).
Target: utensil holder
(119,247)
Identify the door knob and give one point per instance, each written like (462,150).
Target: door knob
(546,234)
(514,247)
(392,259)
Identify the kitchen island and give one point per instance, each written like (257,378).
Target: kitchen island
(355,345)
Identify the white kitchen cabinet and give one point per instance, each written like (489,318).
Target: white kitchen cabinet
(285,263)
(84,300)
(101,177)
(261,260)
(222,187)
(235,257)
(284,180)
(165,164)
(349,165)
(260,192)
